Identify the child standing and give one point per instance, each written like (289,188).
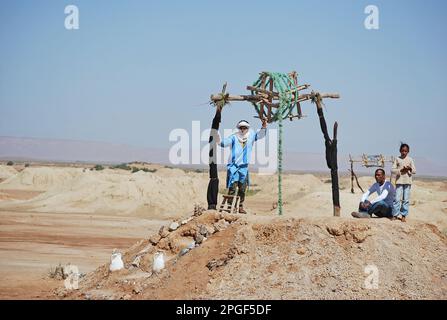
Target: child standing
(403,169)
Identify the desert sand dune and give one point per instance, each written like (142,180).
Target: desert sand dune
(163,194)
(7,172)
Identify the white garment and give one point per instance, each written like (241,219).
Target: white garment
(382,191)
(243,124)
(242,138)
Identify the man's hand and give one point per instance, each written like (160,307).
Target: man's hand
(365,205)
(406,169)
(264,123)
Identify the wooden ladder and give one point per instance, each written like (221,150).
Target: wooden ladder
(229,204)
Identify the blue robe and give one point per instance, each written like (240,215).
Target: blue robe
(237,169)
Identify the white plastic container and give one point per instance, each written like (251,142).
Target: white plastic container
(159,262)
(116,263)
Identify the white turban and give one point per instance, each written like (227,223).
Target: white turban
(243,123)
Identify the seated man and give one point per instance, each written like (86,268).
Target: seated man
(381,206)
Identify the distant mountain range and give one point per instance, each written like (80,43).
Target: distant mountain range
(59,150)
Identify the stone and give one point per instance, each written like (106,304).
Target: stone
(203,230)
(220,225)
(360,237)
(230,218)
(164,244)
(154,239)
(199,238)
(301,250)
(183,252)
(174,226)
(189,232)
(163,232)
(137,289)
(335,231)
(218,216)
(210,229)
(136,262)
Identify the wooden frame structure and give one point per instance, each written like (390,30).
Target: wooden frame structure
(267,103)
(367,161)
(269,99)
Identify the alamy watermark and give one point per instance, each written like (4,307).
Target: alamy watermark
(193,148)
(71,21)
(372,19)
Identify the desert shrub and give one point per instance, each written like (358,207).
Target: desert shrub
(56,272)
(26,165)
(10,163)
(99,167)
(122,166)
(135,169)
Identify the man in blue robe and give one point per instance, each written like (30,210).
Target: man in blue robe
(241,147)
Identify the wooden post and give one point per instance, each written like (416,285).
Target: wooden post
(213,184)
(331,154)
(352,174)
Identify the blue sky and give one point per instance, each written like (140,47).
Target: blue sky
(135,70)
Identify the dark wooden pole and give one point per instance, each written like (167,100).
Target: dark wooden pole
(331,155)
(352,174)
(213,184)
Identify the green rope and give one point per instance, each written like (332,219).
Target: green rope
(284,85)
(280,167)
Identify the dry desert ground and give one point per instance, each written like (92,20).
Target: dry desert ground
(60,214)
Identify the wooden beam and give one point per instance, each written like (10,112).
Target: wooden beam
(303,97)
(273,93)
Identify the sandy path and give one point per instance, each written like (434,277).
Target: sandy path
(32,243)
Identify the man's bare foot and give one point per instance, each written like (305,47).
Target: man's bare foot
(404,219)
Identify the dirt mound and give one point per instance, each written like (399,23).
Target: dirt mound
(6,172)
(258,257)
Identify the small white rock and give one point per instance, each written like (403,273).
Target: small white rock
(173,226)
